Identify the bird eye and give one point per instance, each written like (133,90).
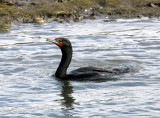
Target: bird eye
(59,40)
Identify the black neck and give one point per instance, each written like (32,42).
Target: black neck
(65,61)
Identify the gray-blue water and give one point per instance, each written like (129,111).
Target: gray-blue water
(27,62)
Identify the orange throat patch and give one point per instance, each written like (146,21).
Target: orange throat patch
(60,44)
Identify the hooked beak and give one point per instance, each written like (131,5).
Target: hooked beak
(59,44)
(52,41)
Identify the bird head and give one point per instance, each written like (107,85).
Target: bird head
(60,42)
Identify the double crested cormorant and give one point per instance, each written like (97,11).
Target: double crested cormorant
(82,73)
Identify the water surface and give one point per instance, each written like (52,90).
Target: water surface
(27,62)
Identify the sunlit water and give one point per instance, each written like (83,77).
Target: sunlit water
(27,62)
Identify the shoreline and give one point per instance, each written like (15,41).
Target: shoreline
(41,11)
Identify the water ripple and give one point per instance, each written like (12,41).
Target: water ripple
(27,63)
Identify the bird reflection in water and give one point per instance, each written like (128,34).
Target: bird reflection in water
(66,93)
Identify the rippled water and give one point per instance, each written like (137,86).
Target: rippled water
(27,62)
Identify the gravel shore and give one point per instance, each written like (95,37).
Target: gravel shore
(41,11)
